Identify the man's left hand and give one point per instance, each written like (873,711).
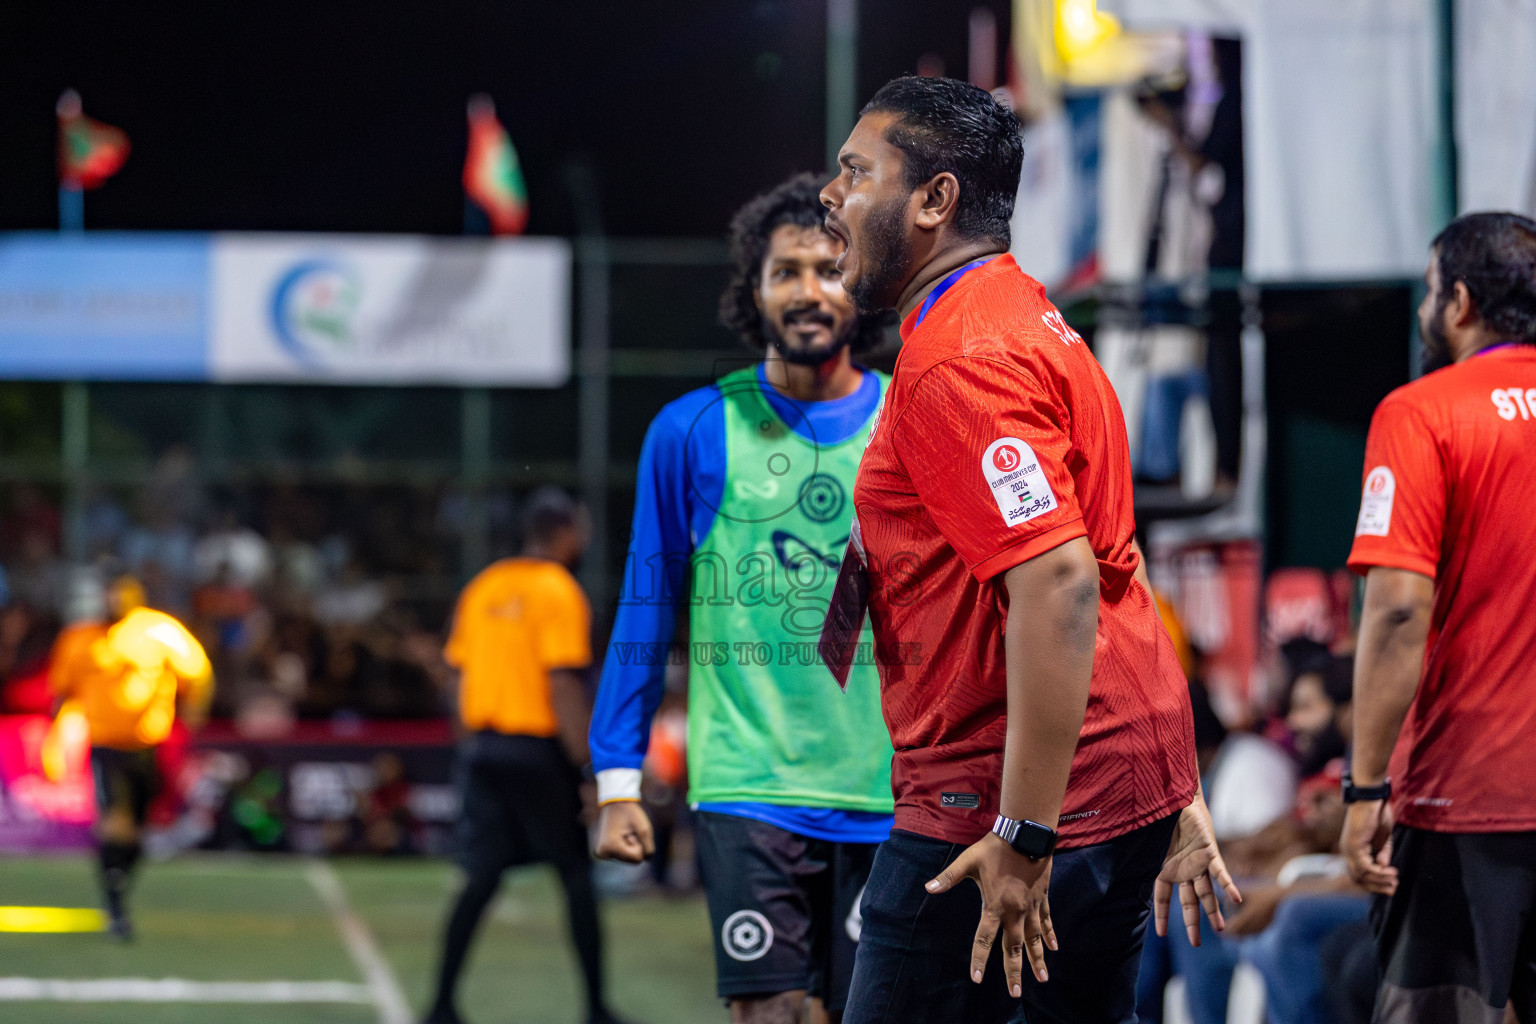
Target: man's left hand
(1367,845)
(1192,865)
(1015,899)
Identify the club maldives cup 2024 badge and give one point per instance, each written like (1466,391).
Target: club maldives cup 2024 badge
(1018,483)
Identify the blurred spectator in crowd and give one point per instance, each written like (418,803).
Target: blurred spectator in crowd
(232,551)
(1296,893)
(1250,780)
(26,637)
(386,821)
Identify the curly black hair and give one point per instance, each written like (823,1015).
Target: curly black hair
(798,202)
(1494,255)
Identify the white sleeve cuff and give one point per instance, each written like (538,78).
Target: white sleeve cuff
(618,784)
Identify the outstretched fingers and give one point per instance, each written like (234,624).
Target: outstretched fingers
(1189,902)
(981,949)
(1035,946)
(1162,898)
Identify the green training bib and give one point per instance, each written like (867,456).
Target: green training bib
(766,720)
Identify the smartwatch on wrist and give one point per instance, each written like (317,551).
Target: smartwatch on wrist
(1032,839)
(1354,794)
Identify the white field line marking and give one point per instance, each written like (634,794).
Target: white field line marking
(385,988)
(179,990)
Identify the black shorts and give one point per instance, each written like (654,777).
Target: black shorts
(784,907)
(521,804)
(126,781)
(1457,941)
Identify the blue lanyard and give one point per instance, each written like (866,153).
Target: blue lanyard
(945,285)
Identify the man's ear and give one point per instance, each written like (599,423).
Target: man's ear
(1462,309)
(940,198)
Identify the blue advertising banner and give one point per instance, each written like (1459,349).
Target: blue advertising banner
(104,306)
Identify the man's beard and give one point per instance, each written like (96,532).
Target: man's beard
(1437,347)
(886,260)
(1314,751)
(815,355)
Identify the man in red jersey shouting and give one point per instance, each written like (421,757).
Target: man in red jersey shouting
(1445,681)
(1044,745)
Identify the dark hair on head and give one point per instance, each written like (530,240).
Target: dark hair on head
(1210,730)
(546,512)
(1339,678)
(797,202)
(1306,657)
(948,125)
(1494,255)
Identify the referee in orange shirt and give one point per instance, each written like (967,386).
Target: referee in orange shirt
(128,677)
(521,643)
(1441,806)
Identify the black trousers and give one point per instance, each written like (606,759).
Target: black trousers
(914,956)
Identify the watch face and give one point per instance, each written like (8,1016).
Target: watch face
(1034,840)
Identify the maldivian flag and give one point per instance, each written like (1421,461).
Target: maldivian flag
(492,176)
(89,152)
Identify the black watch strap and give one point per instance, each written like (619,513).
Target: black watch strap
(1032,839)
(1354,794)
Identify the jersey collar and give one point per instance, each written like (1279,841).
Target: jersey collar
(939,289)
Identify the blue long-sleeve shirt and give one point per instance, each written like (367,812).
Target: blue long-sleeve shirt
(680,484)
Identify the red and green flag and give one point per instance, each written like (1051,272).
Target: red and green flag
(89,152)
(493,178)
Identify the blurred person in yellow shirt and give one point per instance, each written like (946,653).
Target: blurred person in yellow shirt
(127,678)
(521,642)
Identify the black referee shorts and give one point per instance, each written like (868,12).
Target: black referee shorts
(1457,941)
(126,782)
(521,804)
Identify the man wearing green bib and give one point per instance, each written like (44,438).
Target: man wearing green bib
(742,513)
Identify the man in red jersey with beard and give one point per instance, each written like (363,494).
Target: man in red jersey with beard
(1442,815)
(1044,745)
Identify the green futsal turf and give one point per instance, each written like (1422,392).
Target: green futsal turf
(222,918)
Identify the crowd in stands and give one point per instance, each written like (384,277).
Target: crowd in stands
(308,603)
(1274,791)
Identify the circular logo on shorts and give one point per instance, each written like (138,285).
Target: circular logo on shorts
(821,498)
(1006,458)
(747,935)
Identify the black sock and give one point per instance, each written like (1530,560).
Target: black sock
(467,910)
(117,861)
(586,935)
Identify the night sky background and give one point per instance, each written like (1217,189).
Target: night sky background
(346,115)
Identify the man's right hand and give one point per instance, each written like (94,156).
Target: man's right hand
(624,832)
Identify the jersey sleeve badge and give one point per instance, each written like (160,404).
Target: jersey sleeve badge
(1376,504)
(1016,480)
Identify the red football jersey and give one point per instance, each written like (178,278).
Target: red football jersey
(1449,489)
(1001,439)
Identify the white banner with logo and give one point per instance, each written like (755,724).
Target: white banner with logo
(390,310)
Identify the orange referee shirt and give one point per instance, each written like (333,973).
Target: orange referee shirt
(516,621)
(1449,487)
(125,678)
